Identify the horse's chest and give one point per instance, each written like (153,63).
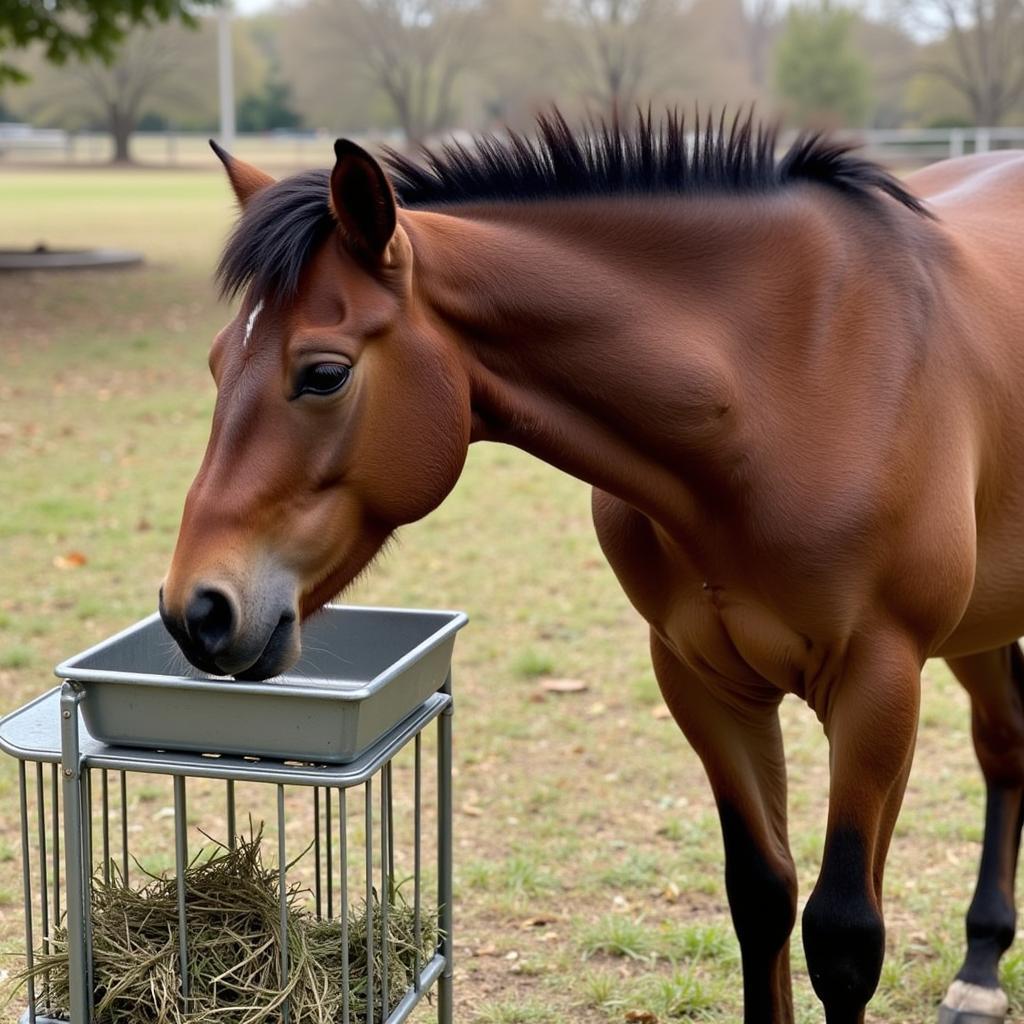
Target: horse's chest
(713,623)
(741,644)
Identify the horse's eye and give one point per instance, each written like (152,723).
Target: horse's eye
(322,379)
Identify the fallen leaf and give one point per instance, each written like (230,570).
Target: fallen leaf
(563,685)
(143,525)
(641,1017)
(659,711)
(538,922)
(71,560)
(472,811)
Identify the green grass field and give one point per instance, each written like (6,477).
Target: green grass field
(585,810)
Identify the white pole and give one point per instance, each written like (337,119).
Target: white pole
(226,76)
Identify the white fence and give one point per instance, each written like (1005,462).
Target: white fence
(899,148)
(911,146)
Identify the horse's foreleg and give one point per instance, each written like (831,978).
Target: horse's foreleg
(870,717)
(995,682)
(742,752)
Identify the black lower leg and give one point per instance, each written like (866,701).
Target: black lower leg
(762,899)
(992,919)
(998,735)
(843,931)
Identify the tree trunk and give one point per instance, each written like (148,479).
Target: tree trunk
(121,129)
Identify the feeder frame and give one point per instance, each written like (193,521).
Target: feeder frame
(30,735)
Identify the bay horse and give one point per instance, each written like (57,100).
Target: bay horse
(795,385)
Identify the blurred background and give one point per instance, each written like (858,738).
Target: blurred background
(917,78)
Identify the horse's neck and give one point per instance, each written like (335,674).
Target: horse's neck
(623,340)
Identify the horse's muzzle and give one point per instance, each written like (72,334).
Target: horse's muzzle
(212,633)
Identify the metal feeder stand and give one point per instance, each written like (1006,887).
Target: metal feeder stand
(396,682)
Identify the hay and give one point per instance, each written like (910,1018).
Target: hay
(234,947)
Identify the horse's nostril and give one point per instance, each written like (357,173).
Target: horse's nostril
(210,620)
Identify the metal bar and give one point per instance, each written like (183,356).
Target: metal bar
(87,822)
(316,851)
(282,885)
(409,1001)
(391,821)
(87,880)
(44,889)
(417,927)
(343,870)
(385,885)
(232,830)
(79,994)
(124,828)
(445,1004)
(55,813)
(180,864)
(105,793)
(368,829)
(26,881)
(329,836)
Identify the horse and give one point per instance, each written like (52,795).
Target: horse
(794,385)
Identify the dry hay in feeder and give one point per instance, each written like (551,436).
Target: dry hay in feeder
(234,950)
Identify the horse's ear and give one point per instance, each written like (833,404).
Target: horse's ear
(245,179)
(362,200)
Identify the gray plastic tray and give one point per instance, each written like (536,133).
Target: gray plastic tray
(363,670)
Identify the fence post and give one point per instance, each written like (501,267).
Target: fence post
(956,142)
(982,140)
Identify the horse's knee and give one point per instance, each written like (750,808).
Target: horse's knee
(844,940)
(844,934)
(992,918)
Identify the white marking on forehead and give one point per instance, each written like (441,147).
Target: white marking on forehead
(251,322)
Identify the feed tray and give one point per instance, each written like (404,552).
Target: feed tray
(362,671)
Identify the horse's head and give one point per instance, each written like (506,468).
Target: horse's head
(340,415)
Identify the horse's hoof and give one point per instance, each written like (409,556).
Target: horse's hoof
(948,1016)
(972,1004)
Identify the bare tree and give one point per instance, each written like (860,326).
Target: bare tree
(984,56)
(617,50)
(761,21)
(414,52)
(164,66)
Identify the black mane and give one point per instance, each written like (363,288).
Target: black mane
(283,225)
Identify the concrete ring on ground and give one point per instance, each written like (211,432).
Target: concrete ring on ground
(42,258)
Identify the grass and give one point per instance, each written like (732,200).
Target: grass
(532,663)
(582,809)
(618,935)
